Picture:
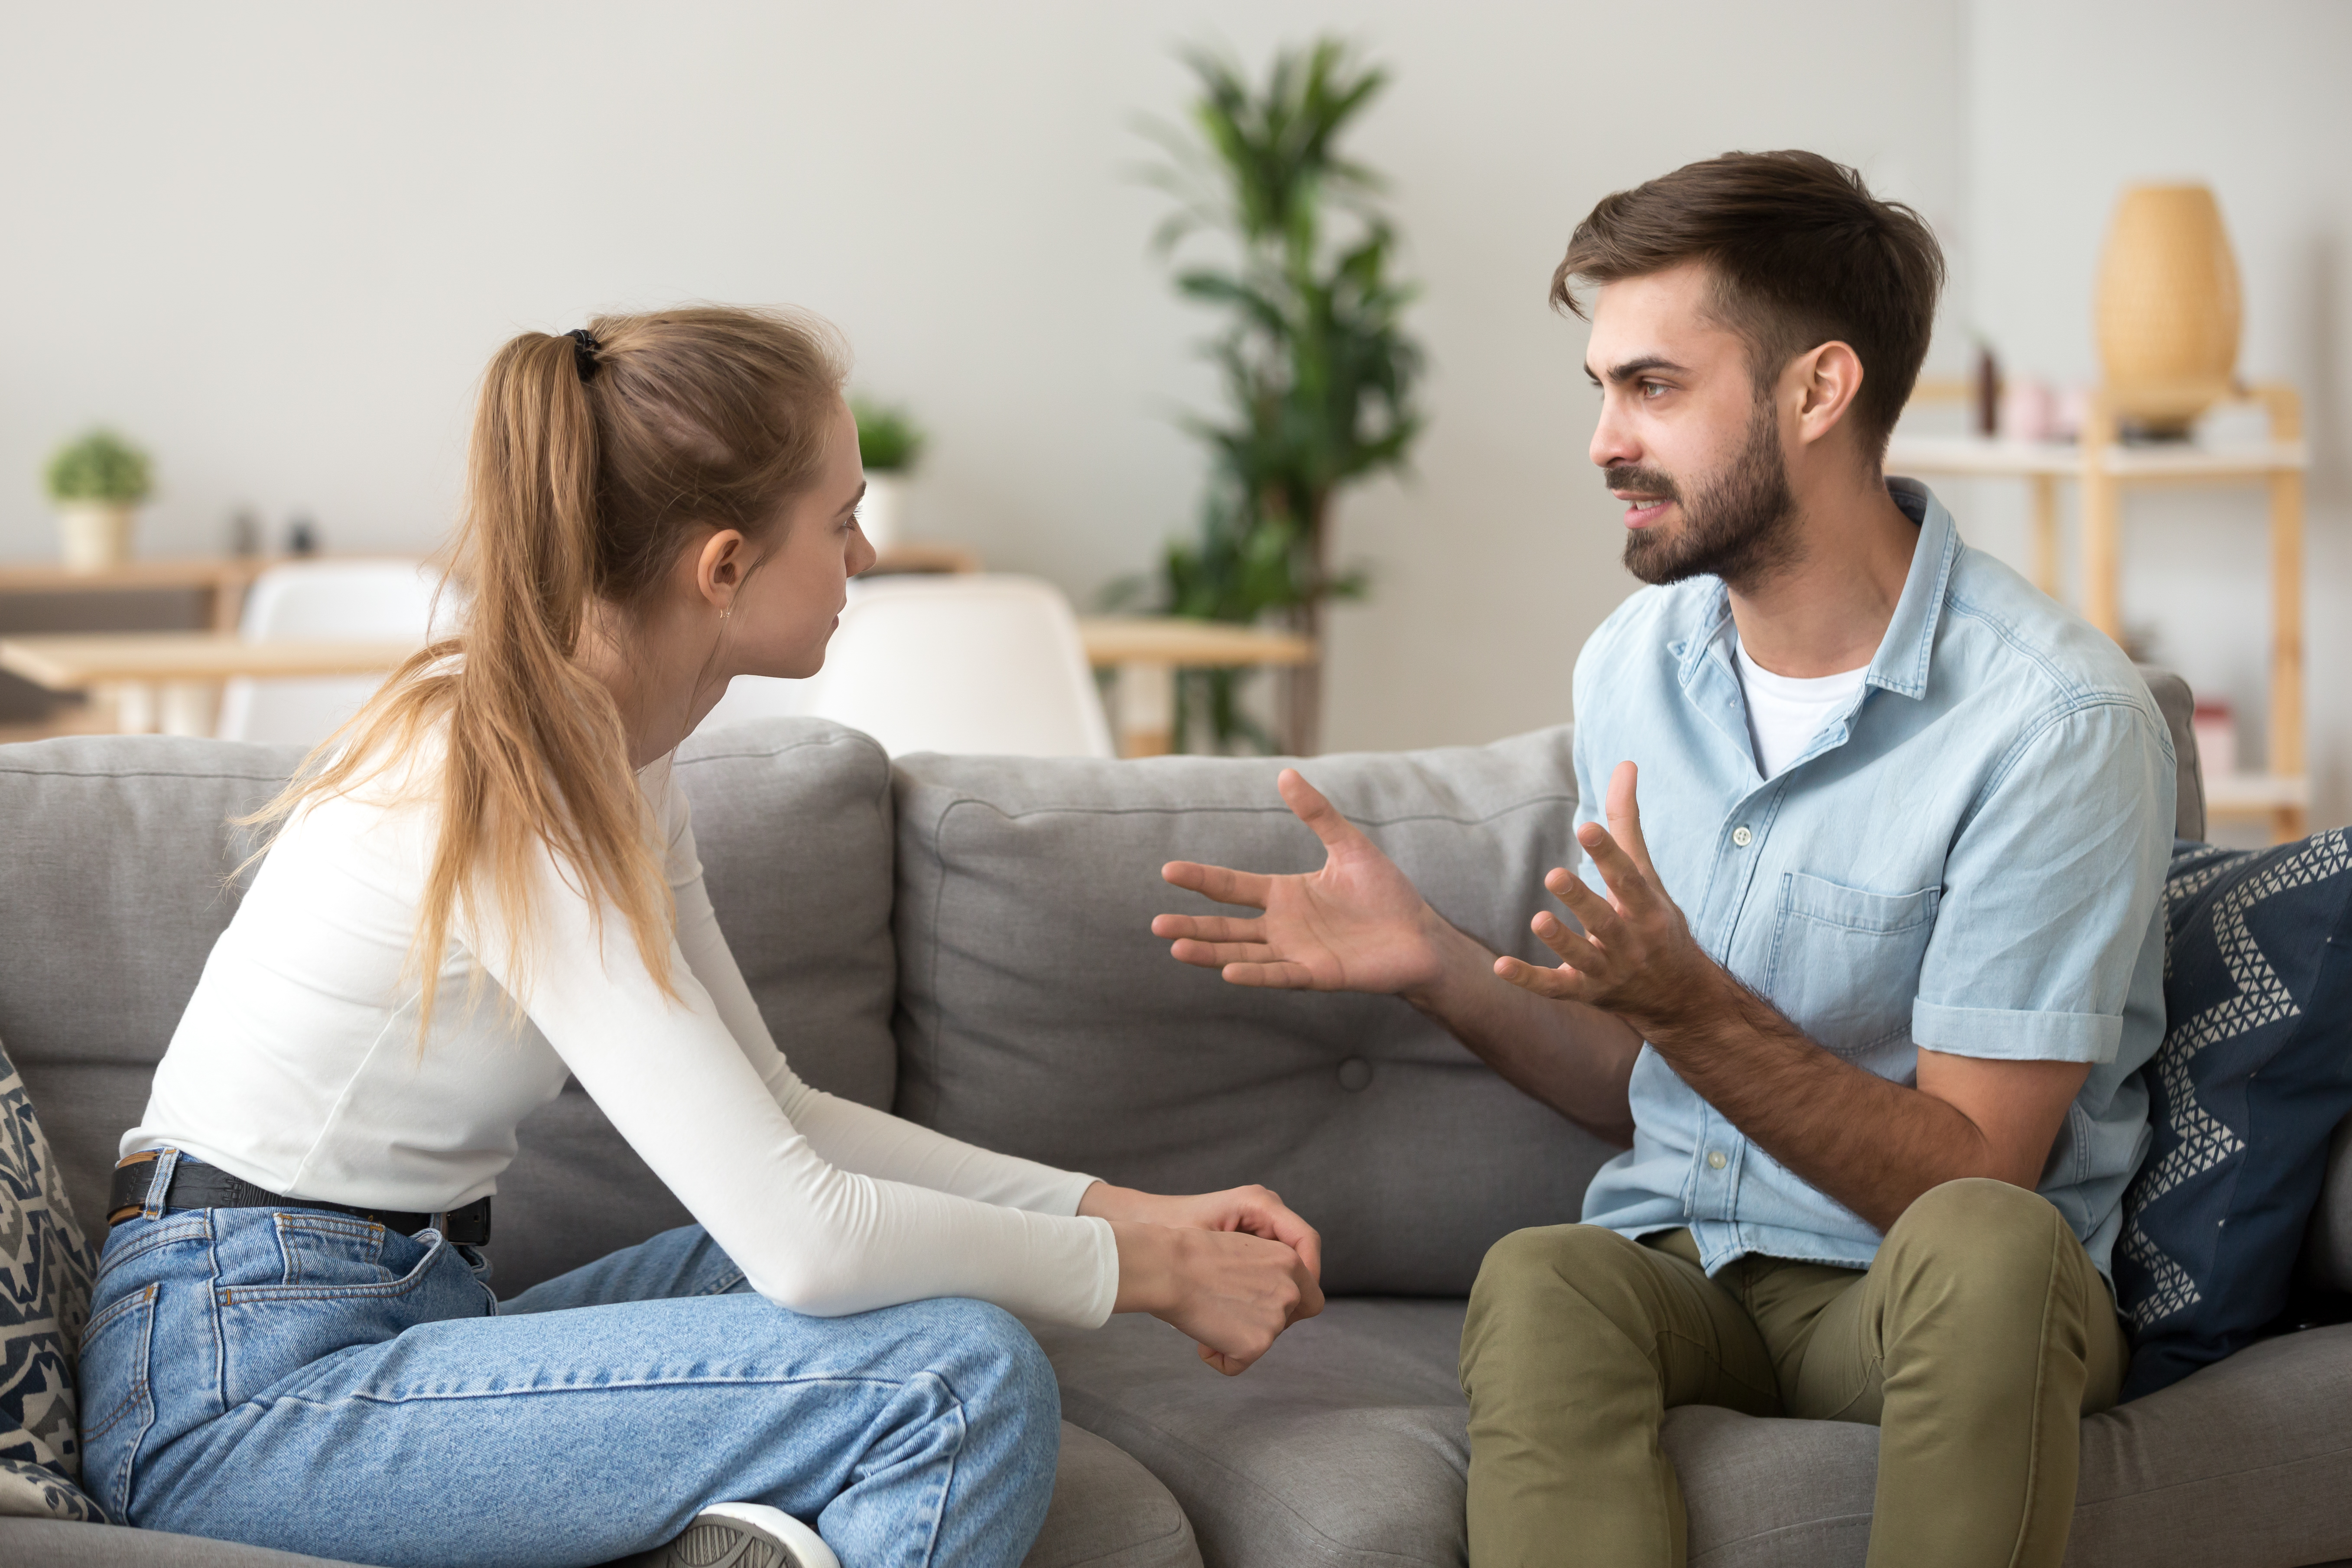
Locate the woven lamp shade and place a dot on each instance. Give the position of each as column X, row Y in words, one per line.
column 2167, row 307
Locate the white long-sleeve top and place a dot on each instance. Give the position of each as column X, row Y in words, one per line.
column 297, row 1067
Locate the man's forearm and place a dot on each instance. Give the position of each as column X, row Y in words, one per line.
column 1574, row 1059
column 1871, row 1144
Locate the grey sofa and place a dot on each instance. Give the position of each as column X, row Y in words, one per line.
column 966, row 939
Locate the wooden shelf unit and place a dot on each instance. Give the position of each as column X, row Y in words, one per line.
column 2104, row 468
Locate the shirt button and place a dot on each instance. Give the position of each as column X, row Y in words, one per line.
column 1715, row 1160
column 1742, row 837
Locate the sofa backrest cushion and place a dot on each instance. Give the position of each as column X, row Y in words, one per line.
column 1038, row 1013
column 2178, row 706
column 112, row 893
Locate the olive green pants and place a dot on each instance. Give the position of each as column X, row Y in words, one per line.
column 1979, row 1337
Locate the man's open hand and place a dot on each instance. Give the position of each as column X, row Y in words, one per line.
column 1636, row 958
column 1357, row 924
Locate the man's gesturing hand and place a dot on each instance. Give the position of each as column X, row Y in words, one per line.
column 1635, row 957
column 1357, row 924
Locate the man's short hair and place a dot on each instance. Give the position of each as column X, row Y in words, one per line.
column 1802, row 254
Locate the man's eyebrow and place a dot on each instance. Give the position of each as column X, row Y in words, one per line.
column 1632, row 368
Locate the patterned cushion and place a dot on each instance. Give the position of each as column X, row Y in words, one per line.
column 2254, row 1073
column 45, row 1275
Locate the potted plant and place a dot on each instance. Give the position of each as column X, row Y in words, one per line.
column 888, row 442
column 97, row 483
column 1318, row 371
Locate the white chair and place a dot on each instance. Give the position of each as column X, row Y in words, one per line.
column 964, row 662
column 363, row 600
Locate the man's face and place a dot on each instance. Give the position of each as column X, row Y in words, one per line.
column 1684, row 440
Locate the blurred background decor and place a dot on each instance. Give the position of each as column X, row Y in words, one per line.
column 2168, row 309
column 1317, row 368
column 97, row 483
column 889, row 443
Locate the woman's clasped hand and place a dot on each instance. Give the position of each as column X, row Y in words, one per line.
column 1232, row 1269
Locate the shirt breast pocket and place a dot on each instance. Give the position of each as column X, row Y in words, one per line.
column 1846, row 962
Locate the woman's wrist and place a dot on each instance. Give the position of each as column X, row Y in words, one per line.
column 1103, row 1201
column 1150, row 1278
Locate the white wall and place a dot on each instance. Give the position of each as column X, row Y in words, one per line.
column 2068, row 103
column 276, row 242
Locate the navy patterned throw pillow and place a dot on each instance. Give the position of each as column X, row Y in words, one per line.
column 46, row 1267
column 2254, row 1073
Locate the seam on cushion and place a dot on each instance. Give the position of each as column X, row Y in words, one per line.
column 135, row 774
column 1120, row 1553
column 2337, row 1452
column 1246, row 1481
column 1803, row 1527
column 1281, row 811
column 852, row 737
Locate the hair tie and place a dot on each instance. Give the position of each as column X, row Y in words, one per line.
column 583, row 353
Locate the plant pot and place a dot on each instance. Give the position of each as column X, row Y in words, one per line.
column 882, row 513
column 93, row 536
column 2167, row 307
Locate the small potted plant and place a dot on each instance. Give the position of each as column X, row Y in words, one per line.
column 97, row 483
column 887, row 443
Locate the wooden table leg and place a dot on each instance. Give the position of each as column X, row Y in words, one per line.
column 133, row 702
column 1144, row 696
column 2045, row 534
column 2101, row 525
column 2286, row 748
column 189, row 707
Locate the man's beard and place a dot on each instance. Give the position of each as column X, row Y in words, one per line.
column 1741, row 527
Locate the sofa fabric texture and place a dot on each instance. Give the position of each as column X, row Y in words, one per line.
column 1039, row 1015
column 2254, row 1076
column 45, row 1267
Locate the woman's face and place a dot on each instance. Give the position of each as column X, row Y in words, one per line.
column 784, row 611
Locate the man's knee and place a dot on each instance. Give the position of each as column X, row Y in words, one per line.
column 1978, row 1224
column 1543, row 1285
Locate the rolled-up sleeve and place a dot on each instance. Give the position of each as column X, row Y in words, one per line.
column 2049, row 891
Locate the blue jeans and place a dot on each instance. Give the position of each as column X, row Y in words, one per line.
column 309, row 1381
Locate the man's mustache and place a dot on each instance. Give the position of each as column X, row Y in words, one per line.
column 1640, row 481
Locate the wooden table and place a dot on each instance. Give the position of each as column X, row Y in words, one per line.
column 168, row 680
column 1146, row 651
column 171, row 680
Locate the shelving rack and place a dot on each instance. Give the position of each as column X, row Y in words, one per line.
column 2103, row 467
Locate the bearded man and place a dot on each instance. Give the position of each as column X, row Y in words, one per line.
column 1878, row 953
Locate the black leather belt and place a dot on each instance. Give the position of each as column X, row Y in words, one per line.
column 195, row 1186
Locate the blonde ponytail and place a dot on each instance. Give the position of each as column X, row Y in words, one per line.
column 586, row 475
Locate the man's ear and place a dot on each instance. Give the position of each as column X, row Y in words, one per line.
column 1828, row 379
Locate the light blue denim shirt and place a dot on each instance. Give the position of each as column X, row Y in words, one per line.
column 1968, row 857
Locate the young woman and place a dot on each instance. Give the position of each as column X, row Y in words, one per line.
column 488, row 882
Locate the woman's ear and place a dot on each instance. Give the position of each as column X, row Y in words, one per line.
column 720, row 566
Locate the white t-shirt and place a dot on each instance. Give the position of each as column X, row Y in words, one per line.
column 297, row 1067
column 1784, row 714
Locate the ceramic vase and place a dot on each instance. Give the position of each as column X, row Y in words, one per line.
column 2167, row 307
column 95, row 535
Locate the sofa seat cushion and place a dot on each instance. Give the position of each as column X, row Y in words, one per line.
column 1109, row 1511
column 1347, row 1445
column 1039, row 1016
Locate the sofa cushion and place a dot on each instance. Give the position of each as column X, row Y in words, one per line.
column 1109, row 1511
column 46, row 1268
column 118, row 882
column 1039, row 1015
column 2327, row 1248
column 2254, row 1074
column 1347, row 1445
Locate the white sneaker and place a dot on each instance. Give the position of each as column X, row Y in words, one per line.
column 743, row 1535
